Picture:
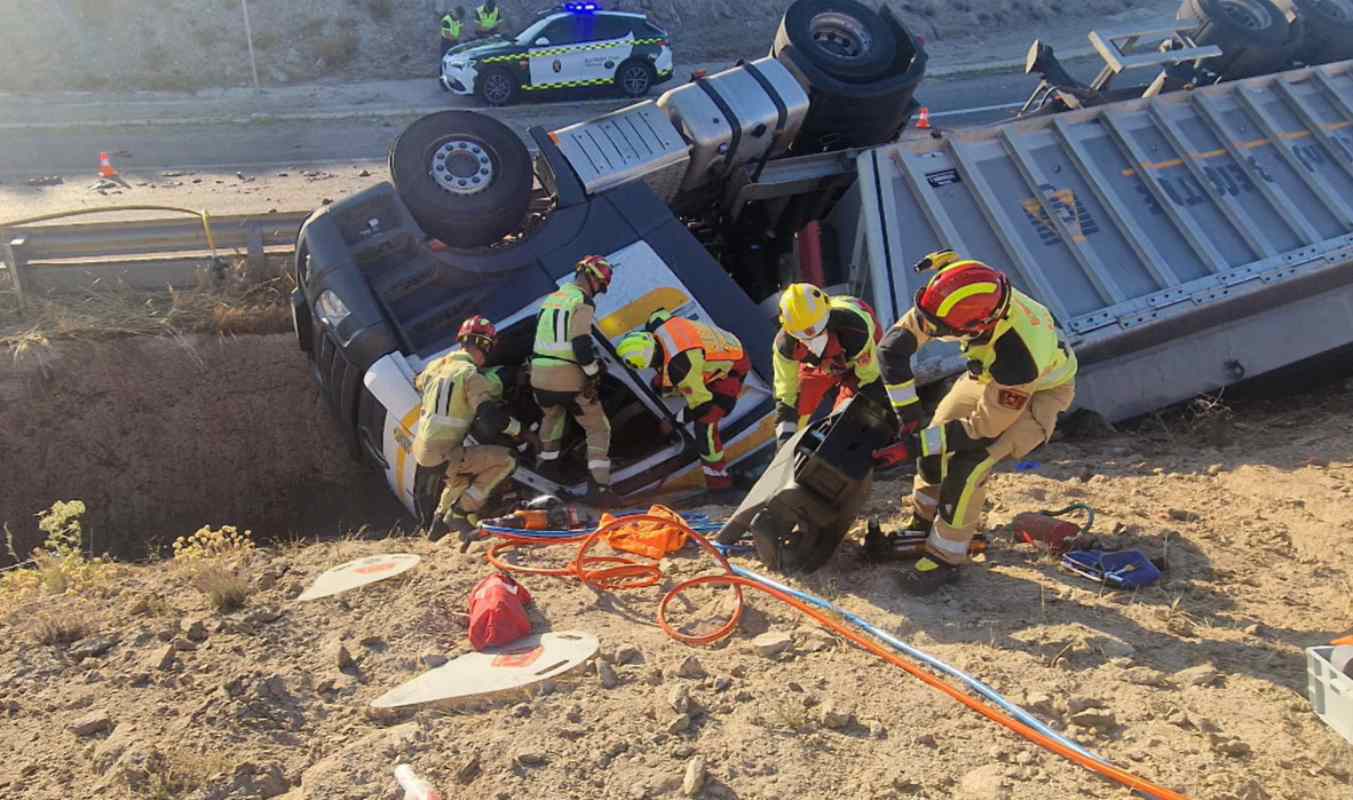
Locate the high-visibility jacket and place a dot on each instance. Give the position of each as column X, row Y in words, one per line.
column 453, row 389
column 1023, row 355
column 450, row 28
column 564, row 330
column 851, row 352
column 707, row 355
column 488, row 20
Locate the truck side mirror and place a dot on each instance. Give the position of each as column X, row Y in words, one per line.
column 541, row 42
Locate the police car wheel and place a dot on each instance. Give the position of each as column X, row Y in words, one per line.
column 498, row 87
column 465, row 177
column 844, row 38
column 635, row 78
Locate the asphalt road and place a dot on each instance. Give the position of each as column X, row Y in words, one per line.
column 279, row 142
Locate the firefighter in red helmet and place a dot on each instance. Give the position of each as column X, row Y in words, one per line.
column 1021, row 375
column 460, row 399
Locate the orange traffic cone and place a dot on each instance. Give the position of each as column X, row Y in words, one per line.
column 923, row 121
column 106, row 168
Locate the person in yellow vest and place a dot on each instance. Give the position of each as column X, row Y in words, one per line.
column 566, row 374
column 706, row 366
column 824, row 342
column 488, row 18
column 459, row 398
column 1021, row 375
column 452, row 28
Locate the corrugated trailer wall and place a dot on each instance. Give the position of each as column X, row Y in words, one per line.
column 1184, row 242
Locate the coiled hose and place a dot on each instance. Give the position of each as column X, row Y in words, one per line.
column 613, row 573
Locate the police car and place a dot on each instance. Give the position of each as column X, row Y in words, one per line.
column 578, row 45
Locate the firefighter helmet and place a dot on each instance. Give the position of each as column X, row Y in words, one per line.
column 637, row 349
column 964, row 298
column 804, row 310
column 479, row 332
column 599, row 270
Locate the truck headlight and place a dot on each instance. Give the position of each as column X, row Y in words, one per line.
column 331, row 309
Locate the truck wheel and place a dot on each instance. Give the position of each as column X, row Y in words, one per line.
column 1252, row 34
column 498, row 87
column 635, row 78
column 465, row 177
column 1328, row 29
column 844, row 38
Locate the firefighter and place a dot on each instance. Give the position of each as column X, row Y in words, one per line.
column 488, row 17
column 566, row 374
column 451, row 31
column 1020, row 376
column 824, row 342
column 459, row 399
column 706, row 366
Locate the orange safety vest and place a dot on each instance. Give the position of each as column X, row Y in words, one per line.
column 678, row 335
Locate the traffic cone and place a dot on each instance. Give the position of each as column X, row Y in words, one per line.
column 106, row 168
column 923, row 121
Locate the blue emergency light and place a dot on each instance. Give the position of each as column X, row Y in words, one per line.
column 582, row 8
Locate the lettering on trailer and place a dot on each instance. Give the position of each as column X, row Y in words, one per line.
column 1184, row 190
column 1068, row 208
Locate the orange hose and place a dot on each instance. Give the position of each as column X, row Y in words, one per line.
column 624, row 573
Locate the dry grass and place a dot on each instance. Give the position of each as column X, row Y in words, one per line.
column 60, row 627
column 339, row 49
column 152, row 605
column 179, row 772
column 235, row 303
column 381, row 10
column 224, row 587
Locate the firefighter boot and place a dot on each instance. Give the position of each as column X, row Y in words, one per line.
column 926, row 577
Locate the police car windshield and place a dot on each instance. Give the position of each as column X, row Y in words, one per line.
column 533, row 30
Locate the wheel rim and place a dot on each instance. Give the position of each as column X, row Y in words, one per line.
column 497, row 88
column 634, row 79
column 462, row 166
column 1341, row 10
column 840, row 35
column 1247, row 14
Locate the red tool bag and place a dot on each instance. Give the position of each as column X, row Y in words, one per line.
column 498, row 612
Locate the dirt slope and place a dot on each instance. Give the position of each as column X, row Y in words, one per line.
column 1196, row 684
column 156, row 44
column 159, row 435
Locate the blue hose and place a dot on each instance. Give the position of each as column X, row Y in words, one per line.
column 934, row 663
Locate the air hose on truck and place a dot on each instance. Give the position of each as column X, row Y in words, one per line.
column 621, row 572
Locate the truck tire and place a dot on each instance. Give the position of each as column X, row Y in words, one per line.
column 1327, row 27
column 844, row 38
column 465, row 177
column 1252, row 34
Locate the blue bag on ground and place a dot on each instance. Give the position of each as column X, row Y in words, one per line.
column 1121, row 569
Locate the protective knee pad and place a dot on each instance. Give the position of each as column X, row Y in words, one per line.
column 961, row 468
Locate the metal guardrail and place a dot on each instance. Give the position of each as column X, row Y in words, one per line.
column 141, row 254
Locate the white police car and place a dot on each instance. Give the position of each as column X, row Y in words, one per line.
column 575, row 46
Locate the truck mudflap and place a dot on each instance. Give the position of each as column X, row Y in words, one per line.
column 1184, row 242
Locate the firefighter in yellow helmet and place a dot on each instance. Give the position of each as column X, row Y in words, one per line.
column 824, row 342
column 566, row 374
column 1021, row 374
column 459, row 399
column 706, row 366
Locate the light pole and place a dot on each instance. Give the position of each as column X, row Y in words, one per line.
column 249, row 37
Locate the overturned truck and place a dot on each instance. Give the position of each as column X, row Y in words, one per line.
column 1187, row 235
